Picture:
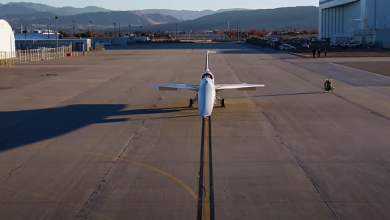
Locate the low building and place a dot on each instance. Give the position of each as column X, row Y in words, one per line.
column 77, row 44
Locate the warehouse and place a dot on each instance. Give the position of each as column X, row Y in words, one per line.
column 7, row 40
column 343, row 18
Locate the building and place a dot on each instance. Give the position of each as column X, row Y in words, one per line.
column 77, row 44
column 7, row 40
column 343, row 18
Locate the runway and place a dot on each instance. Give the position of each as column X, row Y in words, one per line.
column 93, row 139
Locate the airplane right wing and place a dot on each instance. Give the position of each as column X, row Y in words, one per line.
column 241, row 86
column 170, row 87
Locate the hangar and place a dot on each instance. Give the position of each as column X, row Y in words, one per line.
column 7, row 40
column 343, row 18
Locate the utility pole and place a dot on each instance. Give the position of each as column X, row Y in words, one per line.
column 74, row 27
column 48, row 27
column 56, row 32
column 229, row 29
column 114, row 33
column 237, row 31
column 91, row 22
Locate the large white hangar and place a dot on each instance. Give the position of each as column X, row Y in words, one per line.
column 7, row 40
column 345, row 17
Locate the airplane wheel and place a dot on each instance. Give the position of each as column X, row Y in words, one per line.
column 223, row 102
column 191, row 103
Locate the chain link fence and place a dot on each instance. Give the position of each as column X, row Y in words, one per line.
column 24, row 56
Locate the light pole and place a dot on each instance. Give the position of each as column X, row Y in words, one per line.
column 140, row 29
column 56, row 32
column 114, row 33
column 48, row 27
column 91, row 22
column 129, row 29
column 74, row 27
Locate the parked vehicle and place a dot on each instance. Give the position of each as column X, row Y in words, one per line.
column 350, row 45
column 286, row 47
column 305, row 45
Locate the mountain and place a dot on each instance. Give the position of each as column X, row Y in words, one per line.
column 187, row 14
column 278, row 18
column 29, row 7
column 101, row 20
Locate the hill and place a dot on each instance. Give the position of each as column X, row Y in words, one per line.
column 29, row 7
column 102, row 20
column 279, row 18
column 188, row 14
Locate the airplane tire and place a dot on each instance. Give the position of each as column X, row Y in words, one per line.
column 223, row 102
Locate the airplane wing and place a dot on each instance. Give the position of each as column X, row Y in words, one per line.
column 168, row 87
column 241, row 86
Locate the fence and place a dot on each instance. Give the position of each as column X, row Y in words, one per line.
column 24, row 56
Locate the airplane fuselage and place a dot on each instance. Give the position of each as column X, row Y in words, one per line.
column 206, row 97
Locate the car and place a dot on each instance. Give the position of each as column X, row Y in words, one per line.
column 286, row 47
column 305, row 45
column 350, row 45
column 337, row 44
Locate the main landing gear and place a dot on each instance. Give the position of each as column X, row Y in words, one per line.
column 222, row 101
column 193, row 101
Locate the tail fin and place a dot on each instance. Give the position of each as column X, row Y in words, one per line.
column 207, row 59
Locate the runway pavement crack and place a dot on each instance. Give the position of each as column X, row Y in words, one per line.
column 84, row 211
column 312, row 181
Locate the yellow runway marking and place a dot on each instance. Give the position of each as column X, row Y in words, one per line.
column 206, row 171
column 188, row 189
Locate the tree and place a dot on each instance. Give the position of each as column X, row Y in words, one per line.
column 254, row 32
column 88, row 34
column 263, row 32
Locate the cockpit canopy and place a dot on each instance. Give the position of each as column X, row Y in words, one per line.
column 208, row 75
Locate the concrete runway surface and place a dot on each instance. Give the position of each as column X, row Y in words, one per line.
column 89, row 138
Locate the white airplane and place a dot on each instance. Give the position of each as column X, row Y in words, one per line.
column 207, row 91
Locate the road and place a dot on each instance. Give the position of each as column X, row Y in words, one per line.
column 89, row 138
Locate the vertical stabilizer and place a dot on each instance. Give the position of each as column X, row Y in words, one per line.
column 207, row 59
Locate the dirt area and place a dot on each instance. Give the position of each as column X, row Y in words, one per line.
column 381, row 68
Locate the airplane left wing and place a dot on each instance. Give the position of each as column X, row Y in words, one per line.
column 167, row 87
column 241, row 86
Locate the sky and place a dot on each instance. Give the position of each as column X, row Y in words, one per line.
column 177, row 4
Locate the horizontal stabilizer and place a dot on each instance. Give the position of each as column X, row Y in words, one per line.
column 242, row 86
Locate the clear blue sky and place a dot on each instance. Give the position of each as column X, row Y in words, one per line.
column 177, row 4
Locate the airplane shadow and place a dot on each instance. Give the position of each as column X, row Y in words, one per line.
column 19, row 128
column 279, row 95
column 288, row 94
